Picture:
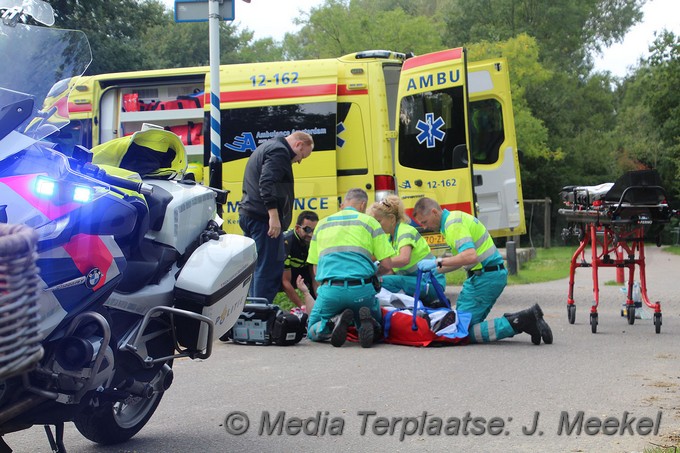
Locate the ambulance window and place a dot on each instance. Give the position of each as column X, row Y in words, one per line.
column 486, row 131
column 431, row 124
column 242, row 130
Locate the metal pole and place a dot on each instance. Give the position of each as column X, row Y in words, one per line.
column 511, row 257
column 546, row 222
column 215, row 164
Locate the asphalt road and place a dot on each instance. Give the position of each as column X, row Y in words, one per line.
column 620, row 386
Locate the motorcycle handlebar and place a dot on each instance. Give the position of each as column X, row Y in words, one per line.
column 137, row 186
column 98, row 173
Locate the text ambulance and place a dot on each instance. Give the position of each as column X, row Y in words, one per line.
column 431, row 125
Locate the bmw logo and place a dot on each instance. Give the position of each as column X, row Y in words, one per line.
column 93, row 277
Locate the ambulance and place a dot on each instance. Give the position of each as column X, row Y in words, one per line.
column 433, row 125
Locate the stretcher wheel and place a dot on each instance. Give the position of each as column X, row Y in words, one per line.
column 571, row 313
column 657, row 322
column 631, row 314
column 593, row 322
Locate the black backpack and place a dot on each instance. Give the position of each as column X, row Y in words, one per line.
column 289, row 329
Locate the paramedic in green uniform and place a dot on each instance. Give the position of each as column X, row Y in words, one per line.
column 343, row 248
column 473, row 249
column 410, row 247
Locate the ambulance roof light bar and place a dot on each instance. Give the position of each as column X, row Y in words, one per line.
column 380, row 54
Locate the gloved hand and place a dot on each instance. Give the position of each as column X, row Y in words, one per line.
column 427, row 265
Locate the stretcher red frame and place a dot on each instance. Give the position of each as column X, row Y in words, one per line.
column 615, row 225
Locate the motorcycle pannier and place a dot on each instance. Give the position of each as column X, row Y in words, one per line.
column 214, row 282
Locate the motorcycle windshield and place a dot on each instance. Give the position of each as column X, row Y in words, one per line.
column 40, row 67
column 40, row 64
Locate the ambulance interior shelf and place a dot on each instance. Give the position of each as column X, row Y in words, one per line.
column 182, row 115
column 614, row 219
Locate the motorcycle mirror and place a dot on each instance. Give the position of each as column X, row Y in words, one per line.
column 39, row 10
column 82, row 154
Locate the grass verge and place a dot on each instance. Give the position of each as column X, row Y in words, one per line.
column 674, row 249
column 549, row 264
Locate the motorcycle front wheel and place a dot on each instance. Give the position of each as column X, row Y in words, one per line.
column 116, row 422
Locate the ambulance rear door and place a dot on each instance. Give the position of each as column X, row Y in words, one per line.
column 493, row 149
column 432, row 158
column 261, row 101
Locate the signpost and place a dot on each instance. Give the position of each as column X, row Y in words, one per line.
column 198, row 10
column 212, row 11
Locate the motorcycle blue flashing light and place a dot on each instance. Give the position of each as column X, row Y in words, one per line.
column 82, row 194
column 48, row 188
column 45, row 187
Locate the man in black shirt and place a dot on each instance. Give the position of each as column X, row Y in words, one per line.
column 266, row 206
column 296, row 242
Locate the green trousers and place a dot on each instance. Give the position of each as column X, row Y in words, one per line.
column 333, row 300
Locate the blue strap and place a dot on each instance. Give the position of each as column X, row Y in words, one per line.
column 388, row 322
column 438, row 289
column 416, row 299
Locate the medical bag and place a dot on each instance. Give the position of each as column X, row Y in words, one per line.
column 262, row 323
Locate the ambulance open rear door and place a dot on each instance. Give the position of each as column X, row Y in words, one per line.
column 493, row 149
column 432, row 158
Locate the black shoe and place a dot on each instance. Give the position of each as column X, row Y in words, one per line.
column 531, row 321
column 339, row 335
column 543, row 327
column 366, row 332
column 448, row 319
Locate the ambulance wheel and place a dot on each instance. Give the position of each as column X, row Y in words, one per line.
column 631, row 314
column 571, row 313
column 657, row 322
column 593, row 322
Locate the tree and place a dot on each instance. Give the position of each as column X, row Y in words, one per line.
column 648, row 128
column 567, row 32
column 177, row 45
column 114, row 29
column 526, row 71
column 340, row 27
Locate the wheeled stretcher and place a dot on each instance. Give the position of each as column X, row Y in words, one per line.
column 614, row 220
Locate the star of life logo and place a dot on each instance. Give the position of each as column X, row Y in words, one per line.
column 430, row 130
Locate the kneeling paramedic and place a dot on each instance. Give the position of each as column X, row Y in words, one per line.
column 343, row 248
column 474, row 250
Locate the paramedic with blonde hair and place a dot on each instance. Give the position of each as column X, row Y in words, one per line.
column 410, row 247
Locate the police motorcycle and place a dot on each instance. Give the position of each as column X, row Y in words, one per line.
column 134, row 270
